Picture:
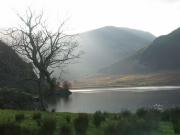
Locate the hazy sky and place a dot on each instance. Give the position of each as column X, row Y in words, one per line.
column 156, row 16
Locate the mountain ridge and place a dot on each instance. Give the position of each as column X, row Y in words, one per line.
column 105, row 46
column 161, row 54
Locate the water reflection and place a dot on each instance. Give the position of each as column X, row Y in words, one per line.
column 57, row 101
column 117, row 100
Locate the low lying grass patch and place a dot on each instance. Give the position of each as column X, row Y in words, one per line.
column 143, row 122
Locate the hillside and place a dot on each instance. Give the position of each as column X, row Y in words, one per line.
column 105, row 46
column 161, row 55
column 166, row 78
column 14, row 72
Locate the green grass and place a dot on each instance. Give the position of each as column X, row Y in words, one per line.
column 165, row 128
column 112, row 123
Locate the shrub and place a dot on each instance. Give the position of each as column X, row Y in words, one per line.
column 98, row 117
column 175, row 118
column 126, row 113
column 37, row 116
column 9, row 128
column 111, row 128
column 165, row 115
column 138, row 127
column 68, row 118
column 81, row 123
column 141, row 112
column 176, row 127
column 152, row 119
column 29, row 131
column 106, row 114
column 66, row 130
column 48, row 126
column 127, row 126
column 19, row 117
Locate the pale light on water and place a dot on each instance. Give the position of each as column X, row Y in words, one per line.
column 133, row 89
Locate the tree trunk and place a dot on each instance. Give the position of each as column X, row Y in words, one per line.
column 49, row 80
column 51, row 84
column 42, row 107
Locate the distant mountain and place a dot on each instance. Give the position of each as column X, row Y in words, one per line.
column 105, row 46
column 161, row 55
column 14, row 72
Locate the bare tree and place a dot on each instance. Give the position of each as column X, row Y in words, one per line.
column 45, row 49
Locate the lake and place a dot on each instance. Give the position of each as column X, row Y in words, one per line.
column 118, row 99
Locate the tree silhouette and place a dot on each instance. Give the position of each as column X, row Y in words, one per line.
column 44, row 48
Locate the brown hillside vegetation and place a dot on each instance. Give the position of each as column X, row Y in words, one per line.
column 150, row 79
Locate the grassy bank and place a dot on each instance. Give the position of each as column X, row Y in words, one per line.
column 143, row 122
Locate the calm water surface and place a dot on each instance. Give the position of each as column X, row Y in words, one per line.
column 118, row 99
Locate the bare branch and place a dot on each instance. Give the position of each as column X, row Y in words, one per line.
column 47, row 50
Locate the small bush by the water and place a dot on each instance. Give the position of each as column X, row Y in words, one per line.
column 81, row 124
column 66, row 130
column 98, row 117
column 141, row 112
column 36, row 116
column 48, row 126
column 19, row 117
column 126, row 113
